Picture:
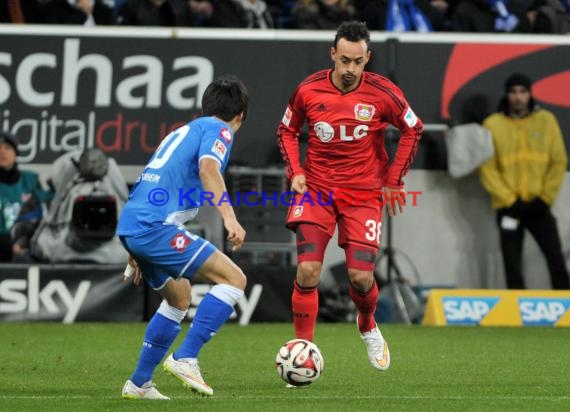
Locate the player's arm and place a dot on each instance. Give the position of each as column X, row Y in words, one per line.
column 288, row 134
column 132, row 271
column 411, row 130
column 400, row 114
column 213, row 183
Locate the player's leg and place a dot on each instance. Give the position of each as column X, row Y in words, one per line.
column 359, row 229
column 216, row 306
column 160, row 333
column 312, row 241
column 212, row 312
column 164, row 326
column 364, row 293
column 313, row 220
column 363, row 289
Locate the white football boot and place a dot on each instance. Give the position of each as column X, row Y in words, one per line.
column 377, row 347
column 189, row 373
column 147, row 392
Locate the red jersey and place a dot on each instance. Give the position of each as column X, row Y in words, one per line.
column 346, row 132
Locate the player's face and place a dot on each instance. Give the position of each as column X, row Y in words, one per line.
column 349, row 60
column 518, row 97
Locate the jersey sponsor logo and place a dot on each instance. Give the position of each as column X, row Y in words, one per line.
column 298, row 211
column 364, row 112
column 226, row 135
column 287, row 116
column 467, row 310
column 219, row 149
column 324, row 131
column 542, row 311
column 179, row 242
column 410, row 117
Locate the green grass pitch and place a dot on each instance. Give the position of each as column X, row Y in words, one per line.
column 82, row 367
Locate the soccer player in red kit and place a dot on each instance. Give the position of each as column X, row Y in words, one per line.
column 347, row 110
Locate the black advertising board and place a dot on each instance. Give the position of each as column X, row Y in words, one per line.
column 95, row 293
column 68, row 294
column 122, row 91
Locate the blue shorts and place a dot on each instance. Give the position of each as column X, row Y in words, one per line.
column 167, row 251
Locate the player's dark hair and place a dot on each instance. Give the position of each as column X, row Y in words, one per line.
column 353, row 31
column 225, row 97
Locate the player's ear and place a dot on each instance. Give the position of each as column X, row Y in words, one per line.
column 237, row 121
column 333, row 53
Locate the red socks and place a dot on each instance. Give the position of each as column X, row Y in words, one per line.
column 305, row 303
column 366, row 305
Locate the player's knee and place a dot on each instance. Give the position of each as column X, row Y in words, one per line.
column 237, row 279
column 178, row 294
column 180, row 302
column 361, row 279
column 308, row 273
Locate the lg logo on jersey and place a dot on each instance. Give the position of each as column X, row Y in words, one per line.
column 326, row 132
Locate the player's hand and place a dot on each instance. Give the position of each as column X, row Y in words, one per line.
column 396, row 200
column 236, row 233
column 299, row 184
column 134, row 273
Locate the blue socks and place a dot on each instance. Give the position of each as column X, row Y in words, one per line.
column 214, row 310
column 211, row 314
column 160, row 334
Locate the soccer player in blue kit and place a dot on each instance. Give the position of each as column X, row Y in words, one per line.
column 188, row 162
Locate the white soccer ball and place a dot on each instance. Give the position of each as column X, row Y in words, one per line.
column 299, row 362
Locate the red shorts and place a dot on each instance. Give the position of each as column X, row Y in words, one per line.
column 357, row 213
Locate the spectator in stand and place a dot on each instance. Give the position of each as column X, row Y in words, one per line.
column 280, row 12
column 438, row 12
column 217, row 13
column 552, row 17
column 487, row 16
column 84, row 12
column 322, row 14
column 165, row 13
column 21, row 199
column 376, row 13
column 257, row 14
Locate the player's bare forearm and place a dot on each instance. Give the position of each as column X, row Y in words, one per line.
column 213, row 182
column 132, row 271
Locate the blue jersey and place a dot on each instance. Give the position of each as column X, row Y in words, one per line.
column 169, row 189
